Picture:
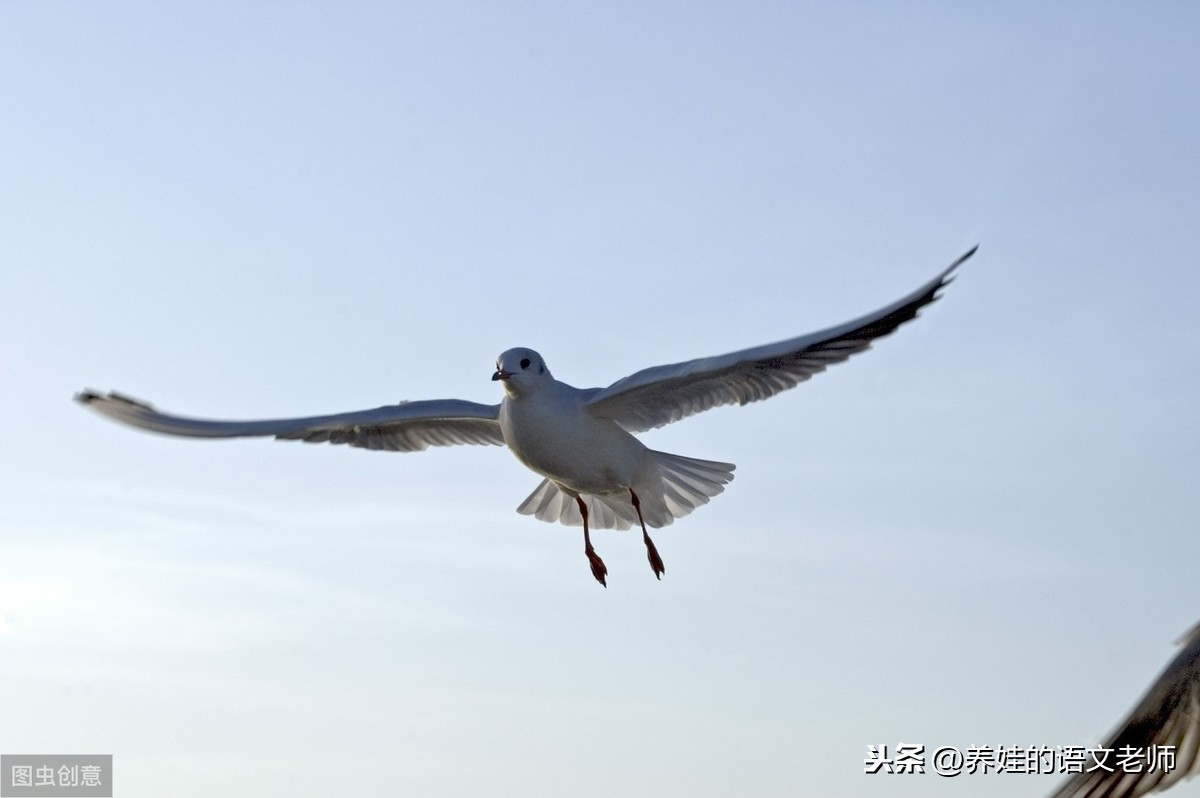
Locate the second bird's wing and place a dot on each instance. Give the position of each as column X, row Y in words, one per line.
column 1167, row 719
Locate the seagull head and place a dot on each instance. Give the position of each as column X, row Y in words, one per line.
column 518, row 368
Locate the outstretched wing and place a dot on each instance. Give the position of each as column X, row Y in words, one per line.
column 406, row 427
column 1167, row 719
column 663, row 394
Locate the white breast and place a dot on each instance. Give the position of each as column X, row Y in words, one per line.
column 551, row 432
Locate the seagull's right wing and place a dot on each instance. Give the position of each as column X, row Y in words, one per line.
column 662, row 394
column 1167, row 716
column 406, row 427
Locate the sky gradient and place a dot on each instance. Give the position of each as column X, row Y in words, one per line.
column 981, row 532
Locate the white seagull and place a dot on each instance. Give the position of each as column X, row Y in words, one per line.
column 581, row 440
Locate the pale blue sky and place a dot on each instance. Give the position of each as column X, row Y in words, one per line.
column 982, row 532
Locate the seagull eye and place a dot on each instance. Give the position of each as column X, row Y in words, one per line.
column 525, row 362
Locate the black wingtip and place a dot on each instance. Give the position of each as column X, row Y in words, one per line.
column 88, row 396
column 963, row 259
column 948, row 275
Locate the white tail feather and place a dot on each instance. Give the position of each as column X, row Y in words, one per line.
column 684, row 483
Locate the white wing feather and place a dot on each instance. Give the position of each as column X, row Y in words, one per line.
column 405, row 427
column 660, row 395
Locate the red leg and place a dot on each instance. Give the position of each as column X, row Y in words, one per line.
column 599, row 570
column 651, row 552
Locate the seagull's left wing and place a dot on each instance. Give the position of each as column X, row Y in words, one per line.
column 663, row 394
column 1166, row 722
column 406, row 427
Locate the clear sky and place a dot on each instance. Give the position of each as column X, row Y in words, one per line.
column 982, row 532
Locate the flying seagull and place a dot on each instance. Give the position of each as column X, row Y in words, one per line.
column 1167, row 717
column 581, row 440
